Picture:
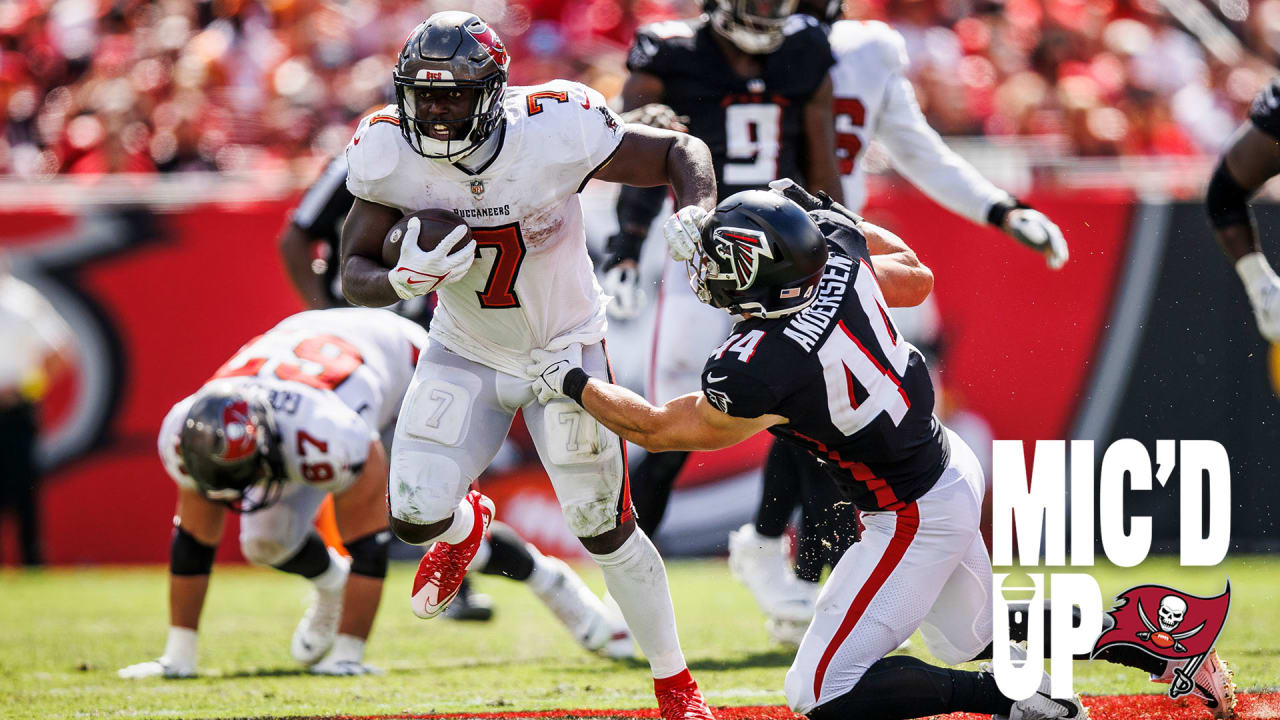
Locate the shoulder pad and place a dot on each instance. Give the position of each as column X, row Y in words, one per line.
column 668, row 29
column 374, row 150
column 890, row 42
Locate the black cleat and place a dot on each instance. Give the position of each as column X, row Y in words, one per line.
column 468, row 606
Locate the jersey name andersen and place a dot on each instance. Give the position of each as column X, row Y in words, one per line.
column 809, row 325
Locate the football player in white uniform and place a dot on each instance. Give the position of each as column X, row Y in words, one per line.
column 874, row 100
column 295, row 415
column 510, row 160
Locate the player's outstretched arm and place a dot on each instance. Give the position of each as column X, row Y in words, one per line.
column 648, row 157
column 821, row 172
column 195, row 539
column 364, row 278
column 1250, row 160
column 688, row 422
column 904, row 279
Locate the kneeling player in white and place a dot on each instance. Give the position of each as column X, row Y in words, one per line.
column 292, row 417
column 511, row 162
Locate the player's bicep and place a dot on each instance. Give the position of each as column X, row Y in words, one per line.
column 366, row 225
column 903, row 278
column 690, row 422
column 641, row 158
column 1253, row 157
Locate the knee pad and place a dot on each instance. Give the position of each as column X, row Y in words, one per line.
column 424, row 487
column 436, row 411
column 369, row 554
column 188, row 556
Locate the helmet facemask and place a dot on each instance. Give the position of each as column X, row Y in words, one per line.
column 753, row 26
column 230, row 447
column 467, row 133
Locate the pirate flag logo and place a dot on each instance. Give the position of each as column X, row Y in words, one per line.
column 1168, row 624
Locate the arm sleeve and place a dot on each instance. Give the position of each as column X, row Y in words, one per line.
column 167, row 445
column 733, row 391
column 326, row 201
column 919, row 153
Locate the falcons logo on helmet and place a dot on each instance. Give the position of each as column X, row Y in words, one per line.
column 742, row 249
column 491, row 42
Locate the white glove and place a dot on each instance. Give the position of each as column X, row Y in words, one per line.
column 684, row 232
column 548, row 370
column 1263, row 288
column 1033, row 229
column 622, row 282
column 178, row 660
column 418, row 273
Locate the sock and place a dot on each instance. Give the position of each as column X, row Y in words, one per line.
column 334, row 577
column 901, row 686
column 509, row 554
column 543, row 576
column 637, row 580
column 682, row 679
column 346, row 648
column 464, row 518
column 180, row 648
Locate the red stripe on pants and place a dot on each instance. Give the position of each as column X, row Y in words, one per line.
column 908, row 521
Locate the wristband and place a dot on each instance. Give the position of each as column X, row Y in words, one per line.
column 1001, row 209
column 575, row 381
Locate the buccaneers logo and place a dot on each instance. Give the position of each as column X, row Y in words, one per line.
column 1169, row 624
column 238, row 431
column 491, row 42
column 742, row 250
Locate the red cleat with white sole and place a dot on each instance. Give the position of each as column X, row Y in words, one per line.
column 441, row 570
column 679, row 699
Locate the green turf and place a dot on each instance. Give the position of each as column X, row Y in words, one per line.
column 63, row 633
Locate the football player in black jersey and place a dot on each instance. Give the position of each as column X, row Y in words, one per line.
column 749, row 78
column 818, row 362
column 1252, row 158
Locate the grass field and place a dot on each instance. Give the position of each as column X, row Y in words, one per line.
column 63, row 634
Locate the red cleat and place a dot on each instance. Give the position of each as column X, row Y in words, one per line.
column 679, row 699
column 441, row 570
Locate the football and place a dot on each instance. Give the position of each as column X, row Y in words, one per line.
column 436, row 224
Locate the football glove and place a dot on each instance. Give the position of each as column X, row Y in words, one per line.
column 622, row 282
column 683, row 232
column 1033, row 229
column 659, row 116
column 418, row 272
column 1263, row 288
column 549, row 369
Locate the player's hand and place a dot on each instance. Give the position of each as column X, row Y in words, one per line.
column 549, row 369
column 1263, row 288
column 160, row 667
column 418, row 272
column 622, row 281
column 657, row 115
column 683, row 231
column 1033, row 229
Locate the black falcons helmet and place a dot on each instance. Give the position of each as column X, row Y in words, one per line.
column 228, row 444
column 452, row 49
column 760, row 254
column 754, row 26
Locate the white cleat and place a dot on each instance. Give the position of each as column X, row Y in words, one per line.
column 761, row 563
column 343, row 668
column 159, row 668
column 1041, row 705
column 1214, row 684
column 319, row 625
column 579, row 610
column 621, row 646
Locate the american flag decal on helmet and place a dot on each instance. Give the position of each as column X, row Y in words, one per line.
column 742, row 248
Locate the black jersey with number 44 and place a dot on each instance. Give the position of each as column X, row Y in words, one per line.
column 857, row 395
column 753, row 126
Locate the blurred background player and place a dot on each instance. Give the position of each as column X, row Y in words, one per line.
column 748, row 77
column 511, row 161
column 37, row 352
column 309, row 249
column 873, row 100
column 1252, row 158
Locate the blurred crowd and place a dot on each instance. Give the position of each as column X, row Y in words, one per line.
column 92, row 86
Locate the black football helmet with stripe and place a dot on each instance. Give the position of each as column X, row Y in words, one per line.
column 760, row 254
